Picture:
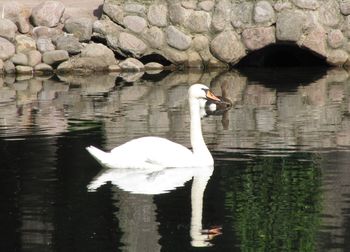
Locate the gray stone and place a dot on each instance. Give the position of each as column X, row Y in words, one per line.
column 132, row 44
column 17, row 13
column 103, row 28
column 47, row 13
column 42, row 68
column 7, row 49
column 199, row 21
column 43, row 31
column 307, row 4
column 290, row 25
column 200, row 42
column 194, row 60
column 177, row 39
column 177, row 13
column 131, row 65
column 24, row 69
column 242, row 15
column 337, row 57
column 175, row 56
column 24, row 43
column 83, row 65
column 328, row 13
column 44, row 44
column 135, row 23
column 256, row 38
column 99, row 51
column 189, row 4
column 55, row 57
column 7, row 29
column 345, row 7
column 9, row 67
column 281, row 5
column 135, row 8
column 113, row 11
column 157, row 15
column 206, row 5
column 34, row 58
column 20, row 59
column 316, row 40
column 155, row 37
column 81, row 27
column 68, row 43
column 221, row 15
column 154, row 66
column 335, row 38
column 264, row 13
column 227, row 47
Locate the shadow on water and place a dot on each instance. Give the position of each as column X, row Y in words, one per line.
column 280, row 181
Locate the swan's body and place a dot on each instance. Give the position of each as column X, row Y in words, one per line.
column 158, row 153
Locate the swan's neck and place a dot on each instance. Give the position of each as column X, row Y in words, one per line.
column 200, row 149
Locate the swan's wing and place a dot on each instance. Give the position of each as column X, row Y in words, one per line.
column 153, row 151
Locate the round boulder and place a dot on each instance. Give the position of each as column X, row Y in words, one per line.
column 47, row 13
column 7, row 49
column 80, row 27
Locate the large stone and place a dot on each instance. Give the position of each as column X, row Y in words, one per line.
column 55, row 57
column 43, row 31
column 17, row 13
column 177, row 39
column 104, row 28
column 207, row 5
column 47, row 13
column 242, row 15
column 316, row 40
column 131, row 65
column 83, row 65
column 81, row 27
column 131, row 44
column 113, row 11
column 135, row 23
column 9, row 67
column 264, row 13
column 194, row 60
column 135, row 8
column 227, row 47
column 290, row 25
column 199, row 21
column 99, row 50
column 307, row 4
column 345, row 7
column 177, row 13
column 34, row 58
column 24, row 69
column 221, row 15
column 200, row 42
column 43, row 68
column 329, row 14
column 20, row 59
column 24, row 43
column 155, row 37
column 256, row 38
column 7, row 29
column 337, row 57
column 44, row 44
column 335, row 38
column 154, row 66
column 175, row 56
column 157, row 15
column 68, row 43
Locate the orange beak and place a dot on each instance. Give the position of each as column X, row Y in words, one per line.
column 211, row 96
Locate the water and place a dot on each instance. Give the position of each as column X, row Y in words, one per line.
column 280, row 180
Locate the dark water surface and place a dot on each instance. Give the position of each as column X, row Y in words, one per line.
column 281, row 180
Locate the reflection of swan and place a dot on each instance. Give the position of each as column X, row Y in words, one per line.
column 144, row 181
column 157, row 153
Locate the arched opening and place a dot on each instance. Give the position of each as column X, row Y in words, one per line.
column 283, row 66
column 282, row 55
column 154, row 57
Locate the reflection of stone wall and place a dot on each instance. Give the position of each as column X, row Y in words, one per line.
column 315, row 115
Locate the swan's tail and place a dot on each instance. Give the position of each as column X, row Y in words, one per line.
column 102, row 157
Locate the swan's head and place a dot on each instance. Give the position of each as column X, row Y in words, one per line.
column 200, row 91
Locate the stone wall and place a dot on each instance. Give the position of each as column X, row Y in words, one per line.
column 191, row 33
column 211, row 33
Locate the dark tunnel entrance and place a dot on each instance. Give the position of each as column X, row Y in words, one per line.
column 283, row 66
column 282, row 55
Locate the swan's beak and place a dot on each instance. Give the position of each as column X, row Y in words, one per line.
column 211, row 96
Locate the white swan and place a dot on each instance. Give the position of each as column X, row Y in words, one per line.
column 158, row 153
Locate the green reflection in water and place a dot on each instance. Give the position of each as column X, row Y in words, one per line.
column 275, row 203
